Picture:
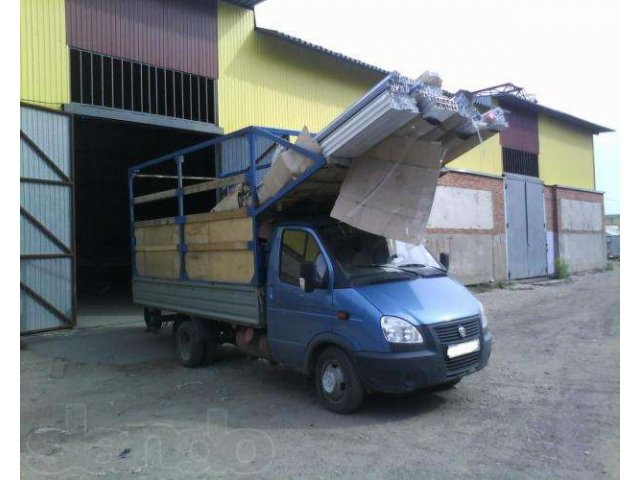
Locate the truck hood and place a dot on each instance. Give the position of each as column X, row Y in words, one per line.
column 423, row 300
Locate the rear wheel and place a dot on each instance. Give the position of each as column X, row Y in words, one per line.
column 190, row 343
column 338, row 386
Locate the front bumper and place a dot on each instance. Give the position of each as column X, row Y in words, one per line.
column 399, row 372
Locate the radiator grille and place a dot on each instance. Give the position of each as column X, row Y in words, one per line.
column 463, row 362
column 449, row 334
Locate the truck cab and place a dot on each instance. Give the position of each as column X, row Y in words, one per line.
column 363, row 313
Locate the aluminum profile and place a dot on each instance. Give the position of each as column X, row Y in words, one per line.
column 393, row 83
column 376, row 121
column 437, row 109
column 493, row 120
column 464, row 101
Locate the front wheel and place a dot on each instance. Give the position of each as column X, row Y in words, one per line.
column 338, row 386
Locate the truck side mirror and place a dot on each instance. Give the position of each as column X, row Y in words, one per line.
column 307, row 277
column 444, row 260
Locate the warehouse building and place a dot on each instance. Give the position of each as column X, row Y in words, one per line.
column 105, row 85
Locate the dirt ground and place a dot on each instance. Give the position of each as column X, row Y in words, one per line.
column 113, row 402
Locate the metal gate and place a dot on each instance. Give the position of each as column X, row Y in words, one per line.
column 47, row 263
column 526, row 228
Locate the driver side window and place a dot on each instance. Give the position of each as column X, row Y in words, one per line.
column 298, row 247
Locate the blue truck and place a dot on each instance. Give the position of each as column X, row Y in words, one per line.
column 281, row 279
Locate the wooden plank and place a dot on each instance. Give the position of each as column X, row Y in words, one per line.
column 214, row 184
column 217, row 246
column 213, row 216
column 228, row 230
column 153, row 197
column 157, row 235
column 158, row 264
column 191, row 189
column 156, row 222
column 197, row 247
column 232, row 230
column 221, row 266
column 194, row 218
column 157, row 248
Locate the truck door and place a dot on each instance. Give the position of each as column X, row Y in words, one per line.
column 293, row 316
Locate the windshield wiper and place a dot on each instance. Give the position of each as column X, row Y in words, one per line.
column 420, row 265
column 384, row 265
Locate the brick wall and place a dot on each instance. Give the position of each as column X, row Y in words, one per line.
column 468, row 224
column 575, row 225
column 553, row 205
column 474, row 181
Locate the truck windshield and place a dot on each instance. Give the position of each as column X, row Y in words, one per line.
column 370, row 257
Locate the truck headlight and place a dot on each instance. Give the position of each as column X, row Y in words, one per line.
column 483, row 317
column 397, row 330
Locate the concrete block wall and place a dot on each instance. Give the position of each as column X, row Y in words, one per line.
column 467, row 222
column 575, row 227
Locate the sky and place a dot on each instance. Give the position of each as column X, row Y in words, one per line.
column 565, row 52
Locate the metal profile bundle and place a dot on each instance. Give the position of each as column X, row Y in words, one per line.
column 493, row 120
column 435, row 108
column 383, row 116
column 380, row 112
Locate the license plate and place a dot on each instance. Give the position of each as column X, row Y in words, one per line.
column 463, row 348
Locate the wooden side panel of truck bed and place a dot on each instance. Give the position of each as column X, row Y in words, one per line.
column 218, row 247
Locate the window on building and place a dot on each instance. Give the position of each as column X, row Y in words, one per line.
column 298, row 247
column 112, row 82
column 520, row 162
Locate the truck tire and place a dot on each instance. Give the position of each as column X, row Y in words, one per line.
column 211, row 341
column 337, row 383
column 190, row 343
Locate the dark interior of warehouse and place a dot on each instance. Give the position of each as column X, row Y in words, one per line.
column 104, row 150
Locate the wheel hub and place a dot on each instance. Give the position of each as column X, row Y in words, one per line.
column 333, row 381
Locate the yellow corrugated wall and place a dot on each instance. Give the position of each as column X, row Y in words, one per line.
column 485, row 158
column 566, row 154
column 270, row 82
column 44, row 57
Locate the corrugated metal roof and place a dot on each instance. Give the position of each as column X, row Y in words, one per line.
column 522, row 104
column 318, row 48
column 245, row 3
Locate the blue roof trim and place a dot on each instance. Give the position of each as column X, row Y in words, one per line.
column 522, row 104
column 319, row 49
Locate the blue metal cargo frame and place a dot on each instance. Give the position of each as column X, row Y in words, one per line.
column 250, row 133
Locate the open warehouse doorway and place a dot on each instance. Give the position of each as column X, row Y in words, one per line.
column 103, row 152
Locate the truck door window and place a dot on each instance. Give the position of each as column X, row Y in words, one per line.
column 299, row 247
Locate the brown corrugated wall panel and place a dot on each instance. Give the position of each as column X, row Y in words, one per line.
column 175, row 34
column 522, row 133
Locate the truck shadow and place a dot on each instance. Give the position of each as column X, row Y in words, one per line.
column 290, row 401
column 258, row 393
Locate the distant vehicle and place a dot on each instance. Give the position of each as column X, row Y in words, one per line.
column 613, row 241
